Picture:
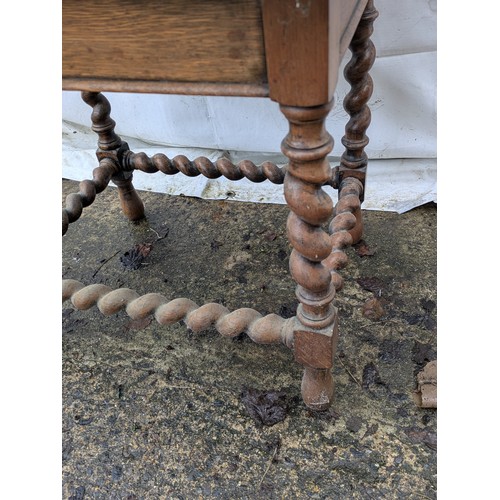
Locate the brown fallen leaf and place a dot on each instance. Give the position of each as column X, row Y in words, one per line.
column 362, row 249
column 373, row 309
column 132, row 259
column 270, row 236
column 144, row 249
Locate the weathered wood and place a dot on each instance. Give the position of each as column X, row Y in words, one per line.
column 167, row 87
column 354, row 160
column 110, row 146
column 307, row 145
column 159, row 41
column 216, row 48
column 305, row 41
column 269, row 329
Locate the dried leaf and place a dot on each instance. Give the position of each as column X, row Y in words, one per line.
column 215, row 245
column 282, row 255
column 265, row 407
column 144, row 249
column 428, row 305
column 288, row 310
column 371, row 376
column 425, row 436
column 422, row 353
column 354, row 424
column 372, row 284
column 370, row 430
column 373, row 309
column 270, row 236
column 132, row 259
column 363, row 250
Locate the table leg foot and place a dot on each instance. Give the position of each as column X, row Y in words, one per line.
column 317, row 388
column 131, row 204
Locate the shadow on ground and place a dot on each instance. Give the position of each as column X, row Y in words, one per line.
column 156, row 412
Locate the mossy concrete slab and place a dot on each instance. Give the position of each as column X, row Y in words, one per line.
column 155, row 412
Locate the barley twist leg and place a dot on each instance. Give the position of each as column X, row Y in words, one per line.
column 111, row 146
column 307, row 146
column 354, row 161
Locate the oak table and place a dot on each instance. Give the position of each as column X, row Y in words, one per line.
column 287, row 50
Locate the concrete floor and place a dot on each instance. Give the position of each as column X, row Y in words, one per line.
column 155, row 412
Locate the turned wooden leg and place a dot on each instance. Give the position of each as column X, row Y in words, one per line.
column 354, row 160
column 307, row 146
column 110, row 145
column 302, row 82
column 131, row 203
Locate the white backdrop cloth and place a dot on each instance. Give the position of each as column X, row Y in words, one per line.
column 402, row 150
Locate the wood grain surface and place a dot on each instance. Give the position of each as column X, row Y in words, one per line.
column 305, row 41
column 139, row 45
